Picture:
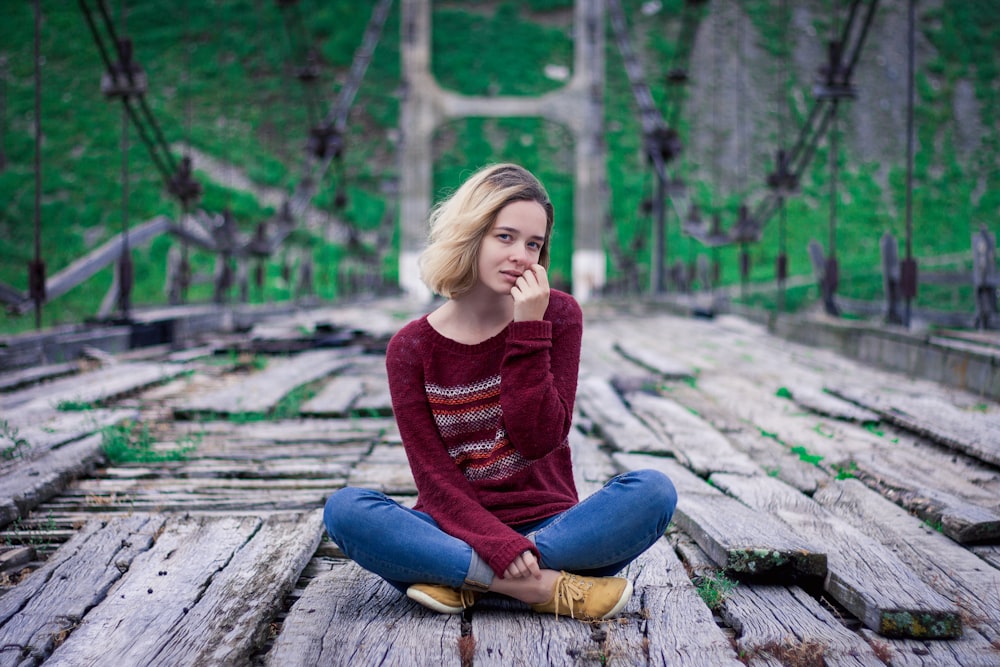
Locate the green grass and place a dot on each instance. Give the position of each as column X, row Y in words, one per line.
column 71, row 405
column 806, row 456
column 714, row 588
column 13, row 445
column 129, row 442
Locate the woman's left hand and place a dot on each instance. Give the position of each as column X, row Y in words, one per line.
column 524, row 566
column 531, row 294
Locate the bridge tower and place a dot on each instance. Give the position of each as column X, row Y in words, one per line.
column 578, row 106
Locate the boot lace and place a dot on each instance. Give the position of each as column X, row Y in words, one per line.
column 569, row 590
column 468, row 597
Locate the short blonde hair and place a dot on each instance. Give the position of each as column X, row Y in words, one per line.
column 449, row 264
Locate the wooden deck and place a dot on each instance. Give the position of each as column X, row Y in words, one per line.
column 840, row 514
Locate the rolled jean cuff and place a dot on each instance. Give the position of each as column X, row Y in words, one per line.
column 480, row 574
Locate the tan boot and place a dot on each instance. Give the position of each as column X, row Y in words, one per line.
column 587, row 598
column 442, row 599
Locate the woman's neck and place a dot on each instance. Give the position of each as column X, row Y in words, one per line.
column 473, row 318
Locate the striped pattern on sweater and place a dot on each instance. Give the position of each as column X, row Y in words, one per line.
column 470, row 420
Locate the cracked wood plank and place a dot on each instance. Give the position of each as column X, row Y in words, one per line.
column 785, row 625
column 34, row 482
column 596, row 399
column 95, row 387
column 679, row 627
column 347, row 616
column 47, row 605
column 739, row 539
column 863, row 575
column 950, row 569
column 232, row 617
column 133, row 625
column 977, row 435
column 261, row 391
column 691, row 439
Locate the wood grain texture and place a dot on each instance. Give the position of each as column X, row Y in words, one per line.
column 739, row 539
column 864, row 576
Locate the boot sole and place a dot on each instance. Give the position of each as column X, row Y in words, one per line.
column 622, row 601
column 429, row 602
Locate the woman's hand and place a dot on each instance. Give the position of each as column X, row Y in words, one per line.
column 531, row 294
column 524, row 566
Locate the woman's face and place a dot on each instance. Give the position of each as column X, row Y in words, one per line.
column 512, row 246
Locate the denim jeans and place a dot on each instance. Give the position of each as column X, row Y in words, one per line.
column 597, row 537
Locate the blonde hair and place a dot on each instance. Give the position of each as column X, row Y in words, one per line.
column 449, row 264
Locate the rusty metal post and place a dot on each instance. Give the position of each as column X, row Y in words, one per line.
column 3, row 111
column 908, row 268
column 36, row 268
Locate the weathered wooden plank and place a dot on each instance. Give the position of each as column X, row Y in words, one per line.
column 828, row 405
column 964, row 521
column 292, row 467
column 772, row 456
column 977, row 435
column 191, row 498
column 691, row 439
column 969, row 650
column 988, row 552
column 348, row 616
column 950, row 569
column 958, row 491
column 42, row 609
column 47, row 430
column 134, row 625
column 507, row 632
column 696, row 561
column 387, row 477
column 592, row 468
column 598, row 358
column 95, row 387
column 336, row 397
column 739, row 539
column 261, row 391
column 27, row 376
column 620, row 428
column 662, row 364
column 786, row 625
column 33, row 482
column 864, row 576
column 231, row 618
column 291, row 431
column 673, row 619
column 375, row 400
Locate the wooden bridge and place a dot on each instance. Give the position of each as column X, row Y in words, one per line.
column 162, row 506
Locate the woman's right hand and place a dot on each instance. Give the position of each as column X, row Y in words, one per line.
column 522, row 567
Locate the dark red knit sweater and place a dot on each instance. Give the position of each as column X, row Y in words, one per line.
column 486, row 426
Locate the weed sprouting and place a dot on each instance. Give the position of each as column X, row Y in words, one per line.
column 847, row 471
column 72, row 405
column 132, row 443
column 804, row 455
column 714, row 588
column 17, row 445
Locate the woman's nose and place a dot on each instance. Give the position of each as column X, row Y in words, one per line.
column 519, row 255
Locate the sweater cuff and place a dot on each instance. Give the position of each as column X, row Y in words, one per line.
column 502, row 559
column 531, row 329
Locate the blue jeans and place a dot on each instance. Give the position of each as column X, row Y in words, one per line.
column 597, row 537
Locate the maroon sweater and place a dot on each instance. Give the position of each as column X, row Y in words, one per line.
column 486, row 426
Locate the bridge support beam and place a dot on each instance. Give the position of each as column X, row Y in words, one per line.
column 578, row 106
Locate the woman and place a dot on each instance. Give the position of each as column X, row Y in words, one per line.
column 483, row 390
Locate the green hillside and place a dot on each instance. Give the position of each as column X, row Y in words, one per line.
column 220, row 79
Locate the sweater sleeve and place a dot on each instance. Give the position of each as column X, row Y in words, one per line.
column 444, row 491
column 539, row 378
